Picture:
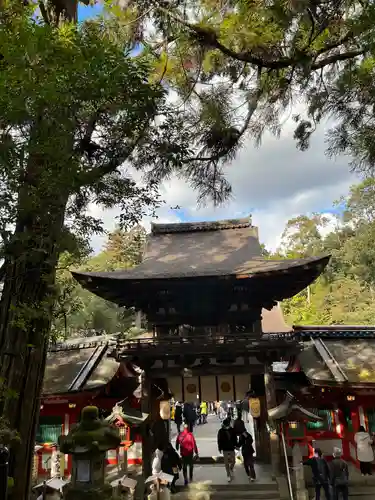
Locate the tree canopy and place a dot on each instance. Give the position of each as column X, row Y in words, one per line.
column 238, row 68
column 78, row 312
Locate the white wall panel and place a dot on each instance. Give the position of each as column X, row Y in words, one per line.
column 242, row 385
column 208, row 387
column 191, row 385
column 175, row 386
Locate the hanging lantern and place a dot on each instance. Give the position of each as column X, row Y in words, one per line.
column 254, row 407
column 165, row 410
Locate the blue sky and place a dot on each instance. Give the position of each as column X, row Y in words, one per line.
column 85, row 12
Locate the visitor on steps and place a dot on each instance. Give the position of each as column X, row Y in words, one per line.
column 204, row 411
column 239, row 426
column 185, row 442
column 339, row 476
column 178, row 416
column 247, row 449
column 171, row 464
column 227, row 443
column 320, row 473
column 365, row 453
column 190, row 415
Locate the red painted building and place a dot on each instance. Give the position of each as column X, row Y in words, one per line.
column 333, row 375
column 80, row 373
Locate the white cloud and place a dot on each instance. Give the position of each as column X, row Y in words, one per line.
column 272, row 183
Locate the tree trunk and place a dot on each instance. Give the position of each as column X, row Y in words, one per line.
column 25, row 319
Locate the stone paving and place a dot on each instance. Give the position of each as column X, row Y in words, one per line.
column 206, row 436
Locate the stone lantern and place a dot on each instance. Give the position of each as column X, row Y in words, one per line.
column 88, row 443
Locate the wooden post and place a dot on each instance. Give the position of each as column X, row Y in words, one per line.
column 146, row 435
column 271, row 401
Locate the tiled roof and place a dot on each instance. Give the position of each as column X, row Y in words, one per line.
column 339, row 360
column 344, row 333
column 79, row 364
column 204, row 249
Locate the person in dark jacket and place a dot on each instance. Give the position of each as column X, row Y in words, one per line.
column 227, row 443
column 178, row 416
column 239, row 426
column 190, row 415
column 320, row 473
column 247, row 449
column 171, row 464
column 339, row 471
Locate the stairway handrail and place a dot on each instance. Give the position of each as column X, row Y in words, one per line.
column 291, row 495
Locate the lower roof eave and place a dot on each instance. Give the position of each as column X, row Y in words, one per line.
column 341, row 385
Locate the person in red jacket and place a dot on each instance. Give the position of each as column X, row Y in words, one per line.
column 187, row 445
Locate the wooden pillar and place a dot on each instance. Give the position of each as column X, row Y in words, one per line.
column 146, row 434
column 271, row 402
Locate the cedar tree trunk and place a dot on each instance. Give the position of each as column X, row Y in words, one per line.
column 25, row 316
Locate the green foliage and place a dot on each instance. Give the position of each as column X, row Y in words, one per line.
column 8, row 435
column 254, row 60
column 79, row 312
column 345, row 293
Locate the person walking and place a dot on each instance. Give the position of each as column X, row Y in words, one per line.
column 223, row 410
column 321, row 474
column 247, row 449
column 190, row 415
column 339, row 472
column 171, row 464
column 227, row 443
column 230, row 409
column 245, row 409
column 239, row 426
column 204, row 411
column 178, row 416
column 365, row 453
column 187, row 445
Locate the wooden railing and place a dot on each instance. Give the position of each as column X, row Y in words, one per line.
column 202, row 344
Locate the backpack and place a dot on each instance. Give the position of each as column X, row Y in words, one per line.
column 187, row 444
column 341, row 479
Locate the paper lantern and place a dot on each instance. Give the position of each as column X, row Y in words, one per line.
column 165, row 410
column 254, row 407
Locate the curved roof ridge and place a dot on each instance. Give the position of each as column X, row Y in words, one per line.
column 190, row 227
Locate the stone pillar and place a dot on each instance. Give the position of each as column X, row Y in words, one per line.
column 299, row 474
column 271, row 402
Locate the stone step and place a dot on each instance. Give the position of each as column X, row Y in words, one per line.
column 245, row 495
column 356, row 492
column 231, row 487
column 233, row 495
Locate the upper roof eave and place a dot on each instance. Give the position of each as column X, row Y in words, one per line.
column 256, row 267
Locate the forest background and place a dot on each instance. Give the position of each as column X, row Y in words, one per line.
column 344, row 294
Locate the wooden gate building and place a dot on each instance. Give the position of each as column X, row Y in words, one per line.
column 211, row 301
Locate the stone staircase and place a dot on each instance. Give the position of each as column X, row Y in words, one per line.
column 250, row 491
column 358, row 490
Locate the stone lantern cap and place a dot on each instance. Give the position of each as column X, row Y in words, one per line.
column 90, row 435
